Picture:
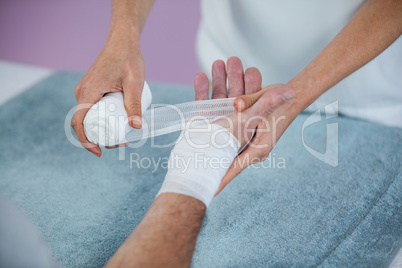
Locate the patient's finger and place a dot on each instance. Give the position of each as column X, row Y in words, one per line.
column 201, row 87
column 219, row 89
column 235, row 77
column 252, row 80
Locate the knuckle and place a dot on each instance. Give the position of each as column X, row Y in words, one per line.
column 134, row 100
column 268, row 108
column 135, row 104
column 134, row 85
column 74, row 123
column 268, row 102
column 217, row 95
column 235, row 76
column 81, row 90
column 139, row 84
column 260, row 159
column 77, row 89
column 134, row 80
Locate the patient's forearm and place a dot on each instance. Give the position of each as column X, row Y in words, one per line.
column 128, row 18
column 165, row 237
column 374, row 27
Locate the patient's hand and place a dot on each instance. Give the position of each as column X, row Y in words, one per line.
column 263, row 108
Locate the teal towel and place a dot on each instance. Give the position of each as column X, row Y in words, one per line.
column 296, row 212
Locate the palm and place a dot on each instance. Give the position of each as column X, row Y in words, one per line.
column 261, row 113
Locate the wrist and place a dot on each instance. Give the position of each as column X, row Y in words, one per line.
column 208, row 152
column 183, row 203
column 121, row 43
column 124, row 32
column 307, row 89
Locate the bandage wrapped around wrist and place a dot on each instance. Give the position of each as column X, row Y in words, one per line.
column 199, row 160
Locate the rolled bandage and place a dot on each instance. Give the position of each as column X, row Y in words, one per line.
column 106, row 122
column 199, row 160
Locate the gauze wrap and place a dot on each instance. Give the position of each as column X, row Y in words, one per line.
column 202, row 154
column 106, row 122
column 199, row 160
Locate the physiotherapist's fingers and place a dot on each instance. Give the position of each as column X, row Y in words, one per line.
column 219, row 89
column 86, row 98
column 240, row 163
column 256, row 116
column 77, row 124
column 201, row 87
column 132, row 91
column 246, row 101
column 235, row 169
column 116, row 146
column 252, row 80
column 242, row 125
column 270, row 101
column 249, row 156
column 235, row 76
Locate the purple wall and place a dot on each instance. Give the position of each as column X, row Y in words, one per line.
column 68, row 34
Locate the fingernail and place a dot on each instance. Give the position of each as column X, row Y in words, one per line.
column 135, row 121
column 239, row 105
column 287, row 95
column 98, row 153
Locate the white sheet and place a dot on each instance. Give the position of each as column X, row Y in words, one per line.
column 16, row 78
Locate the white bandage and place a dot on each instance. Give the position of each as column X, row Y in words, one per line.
column 199, row 160
column 106, row 122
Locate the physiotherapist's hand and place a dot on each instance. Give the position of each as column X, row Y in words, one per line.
column 269, row 129
column 118, row 67
column 257, row 108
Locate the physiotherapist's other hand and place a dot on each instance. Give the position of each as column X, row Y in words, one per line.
column 118, row 67
column 257, row 108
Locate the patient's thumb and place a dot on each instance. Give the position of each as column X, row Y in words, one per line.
column 132, row 102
